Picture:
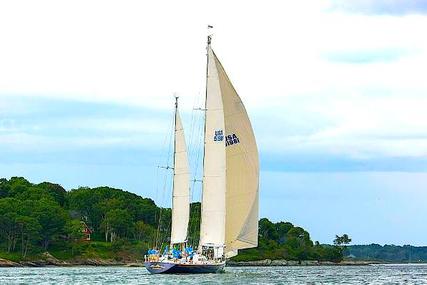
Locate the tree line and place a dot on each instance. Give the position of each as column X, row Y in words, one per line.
column 283, row 240
column 388, row 253
column 33, row 216
column 36, row 217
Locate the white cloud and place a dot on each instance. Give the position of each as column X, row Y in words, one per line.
column 278, row 54
column 20, row 141
column 381, row 7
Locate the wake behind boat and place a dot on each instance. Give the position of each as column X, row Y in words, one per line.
column 229, row 206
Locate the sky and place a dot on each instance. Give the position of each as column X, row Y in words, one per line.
column 336, row 92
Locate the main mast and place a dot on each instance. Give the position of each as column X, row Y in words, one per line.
column 204, row 133
column 173, row 167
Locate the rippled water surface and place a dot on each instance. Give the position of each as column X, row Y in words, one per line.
column 378, row 274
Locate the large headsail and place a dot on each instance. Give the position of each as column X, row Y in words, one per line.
column 212, row 228
column 242, row 170
column 181, row 185
column 231, row 167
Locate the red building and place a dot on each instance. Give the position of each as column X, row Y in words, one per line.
column 86, row 231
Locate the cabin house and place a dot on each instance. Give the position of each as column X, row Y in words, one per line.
column 86, row 231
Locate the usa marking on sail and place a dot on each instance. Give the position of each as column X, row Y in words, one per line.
column 231, row 139
column 219, row 136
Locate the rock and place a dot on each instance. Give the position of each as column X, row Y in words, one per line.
column 279, row 262
column 309, row 262
column 293, row 262
column 8, row 263
column 328, row 263
column 51, row 260
column 97, row 262
column 138, row 264
column 264, row 262
column 354, row 262
column 32, row 263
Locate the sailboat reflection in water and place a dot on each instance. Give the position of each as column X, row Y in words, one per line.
column 229, row 209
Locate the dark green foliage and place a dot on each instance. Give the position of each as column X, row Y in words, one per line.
column 56, row 191
column 94, row 203
column 51, row 217
column 285, row 241
column 143, row 232
column 194, row 224
column 39, row 217
column 4, row 188
column 389, row 253
column 342, row 240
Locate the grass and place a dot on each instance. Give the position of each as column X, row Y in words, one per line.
column 12, row 256
column 64, row 250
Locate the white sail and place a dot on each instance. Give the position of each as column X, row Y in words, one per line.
column 231, row 176
column 212, row 228
column 181, row 186
column 242, row 173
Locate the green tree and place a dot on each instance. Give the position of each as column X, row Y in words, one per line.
column 74, row 229
column 194, row 224
column 56, row 191
column 4, row 188
column 143, row 231
column 267, row 230
column 8, row 221
column 117, row 223
column 51, row 217
column 282, row 230
column 18, row 185
column 29, row 231
column 342, row 240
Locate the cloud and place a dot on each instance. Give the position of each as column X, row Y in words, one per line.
column 311, row 132
column 86, row 99
column 365, row 56
column 381, row 7
column 359, row 127
column 316, row 83
column 42, row 124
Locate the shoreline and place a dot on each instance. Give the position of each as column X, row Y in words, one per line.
column 282, row 262
column 47, row 260
column 50, row 261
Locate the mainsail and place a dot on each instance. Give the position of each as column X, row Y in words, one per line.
column 231, row 167
column 181, row 185
column 212, row 228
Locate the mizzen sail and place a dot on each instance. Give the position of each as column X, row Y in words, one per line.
column 181, row 185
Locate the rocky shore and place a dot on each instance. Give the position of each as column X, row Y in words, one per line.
column 282, row 262
column 48, row 260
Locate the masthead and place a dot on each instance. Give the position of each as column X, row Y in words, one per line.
column 209, row 35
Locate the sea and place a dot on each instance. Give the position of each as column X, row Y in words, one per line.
column 373, row 274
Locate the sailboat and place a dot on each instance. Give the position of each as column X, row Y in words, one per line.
column 229, row 206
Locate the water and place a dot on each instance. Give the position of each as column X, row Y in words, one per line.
column 378, row 274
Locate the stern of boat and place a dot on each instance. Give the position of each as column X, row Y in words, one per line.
column 158, row 267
